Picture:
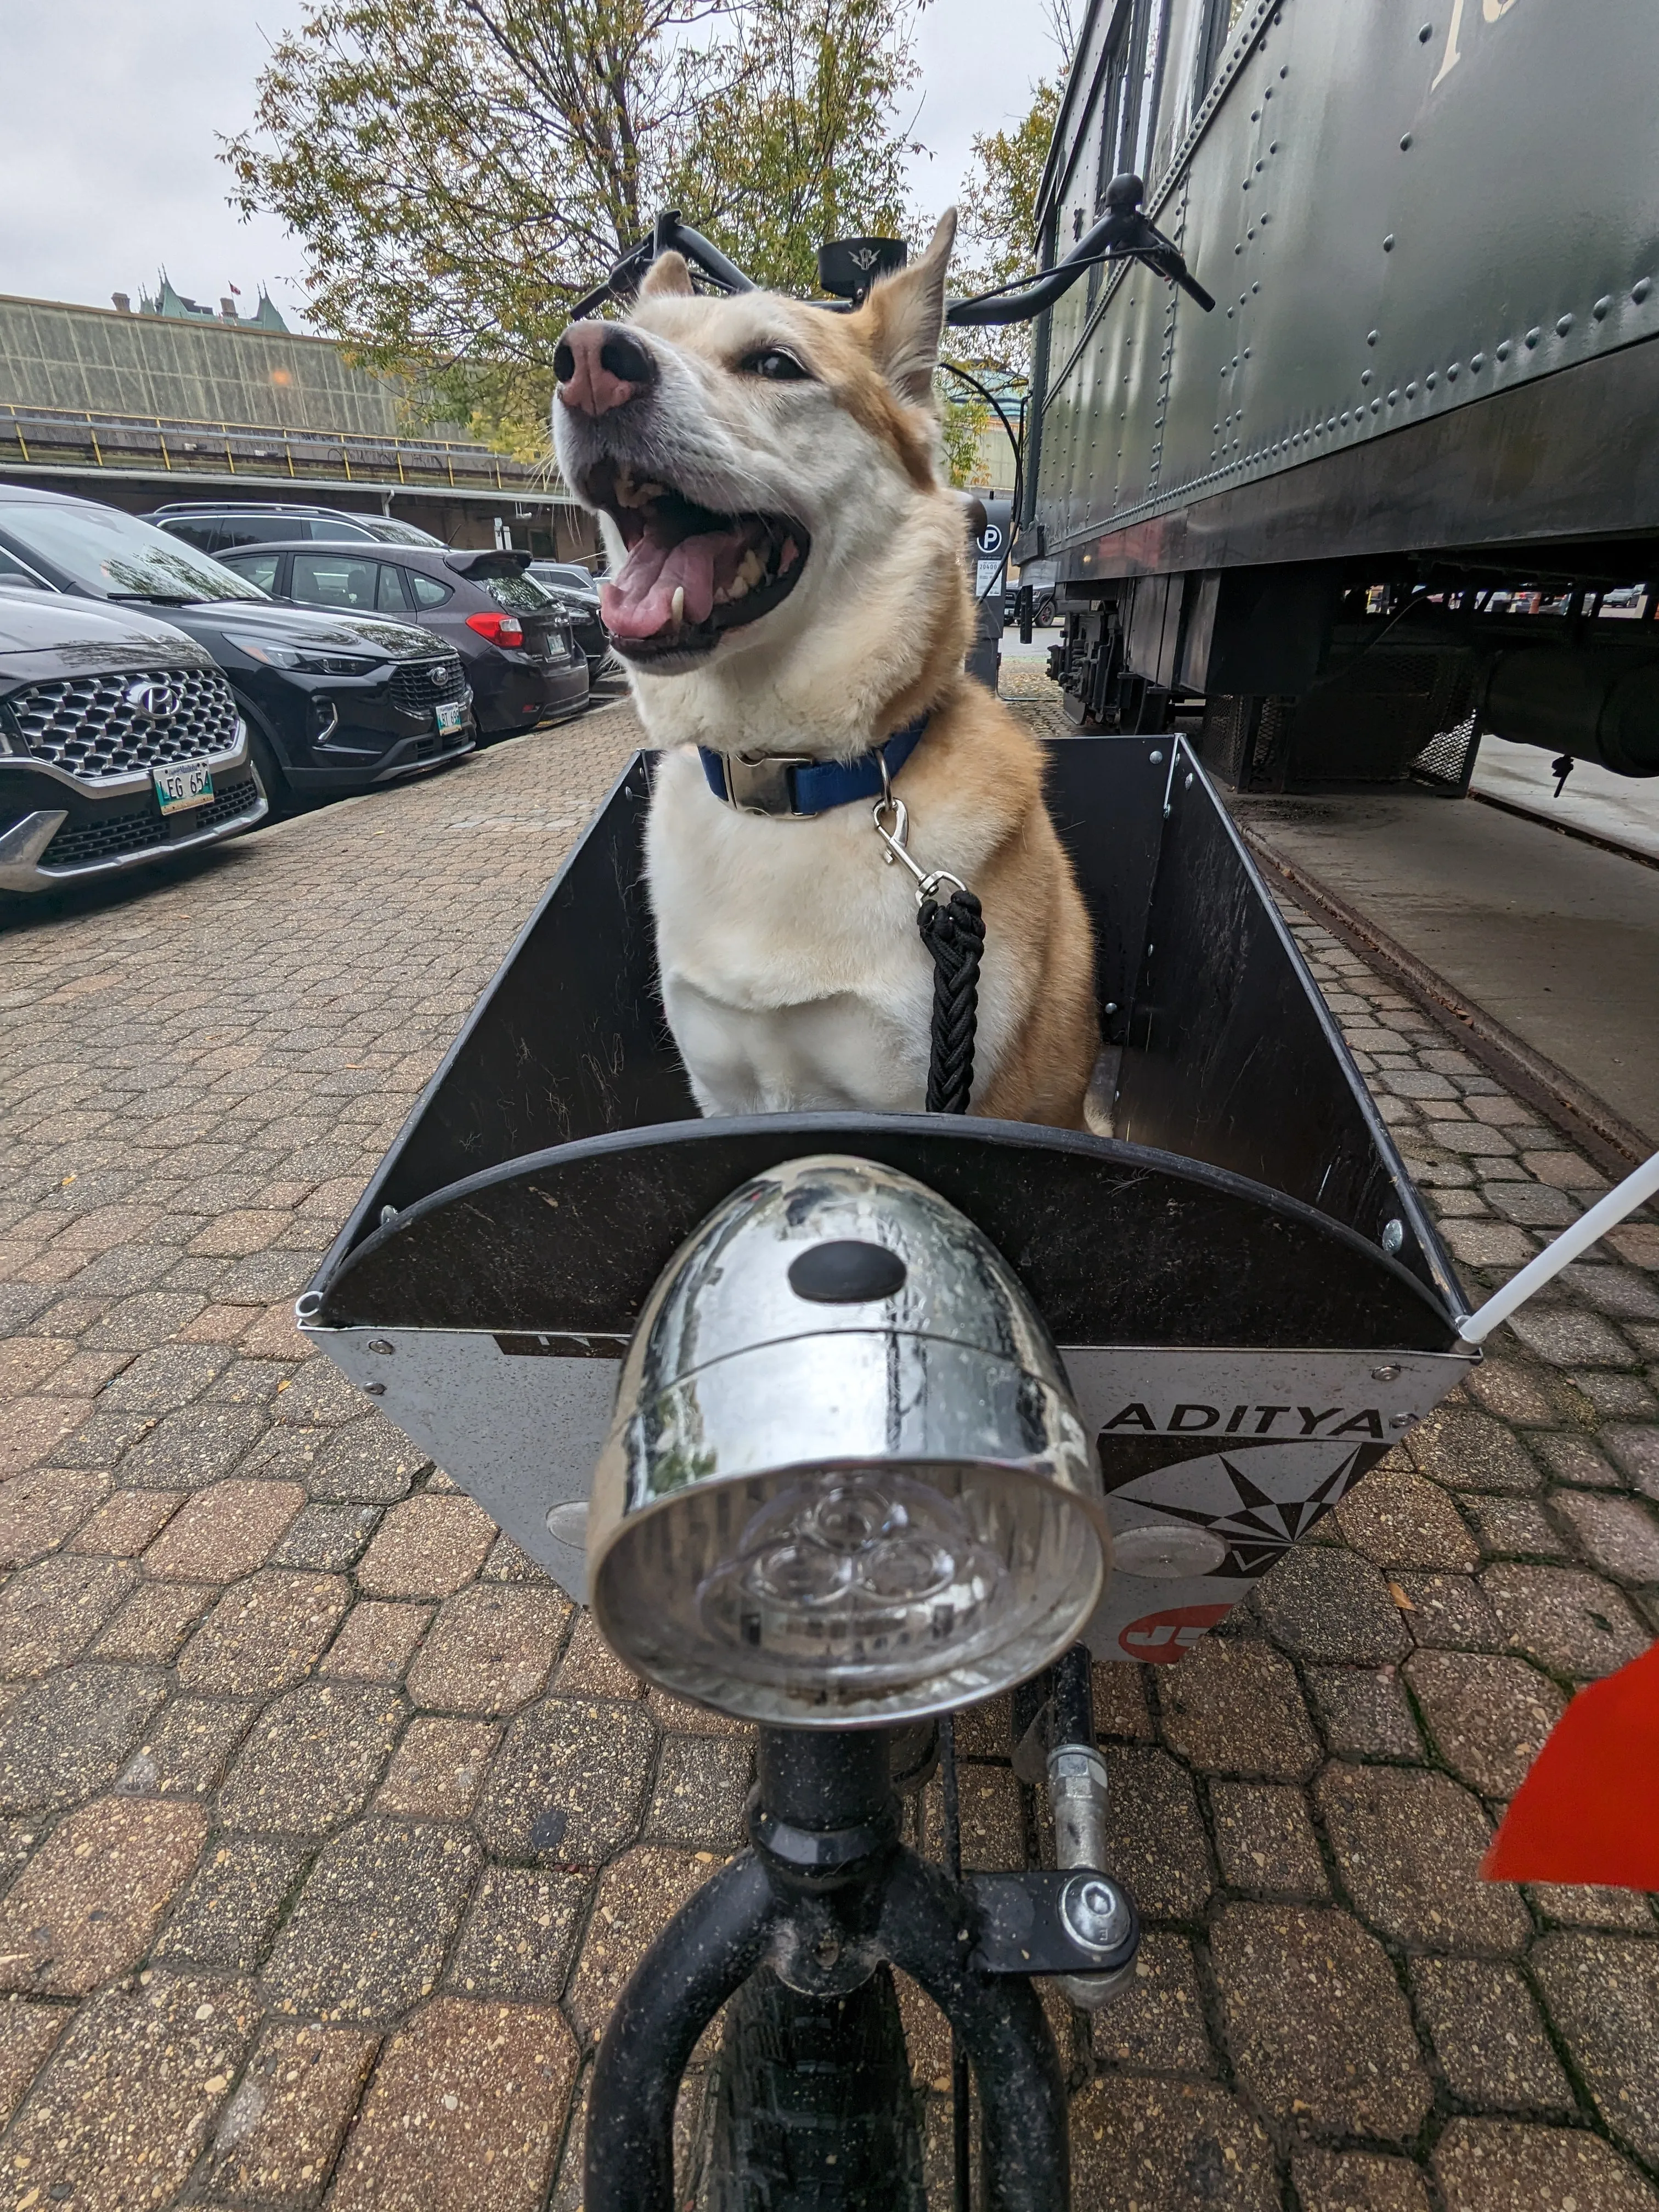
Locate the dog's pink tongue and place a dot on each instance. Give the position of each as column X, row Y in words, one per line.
column 640, row 602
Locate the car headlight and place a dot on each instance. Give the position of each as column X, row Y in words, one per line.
column 845, row 1483
column 308, row 663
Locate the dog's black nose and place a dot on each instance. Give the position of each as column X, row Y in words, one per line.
column 600, row 366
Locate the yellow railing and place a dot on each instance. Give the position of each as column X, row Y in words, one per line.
column 454, row 461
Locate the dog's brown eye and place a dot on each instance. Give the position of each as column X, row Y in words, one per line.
column 781, row 367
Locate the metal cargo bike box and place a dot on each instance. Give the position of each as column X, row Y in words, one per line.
column 1249, row 1301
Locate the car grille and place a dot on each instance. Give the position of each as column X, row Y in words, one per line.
column 79, row 845
column 97, row 726
column 423, row 683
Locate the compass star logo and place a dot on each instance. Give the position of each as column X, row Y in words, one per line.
column 1216, row 1493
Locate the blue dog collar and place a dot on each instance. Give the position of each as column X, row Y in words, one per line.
column 793, row 785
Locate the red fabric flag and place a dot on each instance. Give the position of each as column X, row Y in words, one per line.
column 1589, row 1809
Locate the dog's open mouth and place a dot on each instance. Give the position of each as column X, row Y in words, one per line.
column 690, row 574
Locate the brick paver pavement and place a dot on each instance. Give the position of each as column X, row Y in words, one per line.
column 330, row 1830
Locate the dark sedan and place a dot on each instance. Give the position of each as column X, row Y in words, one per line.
column 119, row 741
column 514, row 639
column 332, row 702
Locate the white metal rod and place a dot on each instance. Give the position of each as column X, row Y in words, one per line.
column 1606, row 1214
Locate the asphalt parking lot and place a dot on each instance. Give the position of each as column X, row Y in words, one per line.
column 279, row 1711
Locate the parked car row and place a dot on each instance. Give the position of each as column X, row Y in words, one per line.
column 154, row 697
column 514, row 639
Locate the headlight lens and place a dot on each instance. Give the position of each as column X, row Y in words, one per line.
column 848, row 1524
column 308, row 663
column 859, row 1593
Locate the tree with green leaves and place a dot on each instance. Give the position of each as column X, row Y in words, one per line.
column 459, row 172
column 998, row 223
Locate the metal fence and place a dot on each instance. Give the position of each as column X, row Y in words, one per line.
column 61, row 437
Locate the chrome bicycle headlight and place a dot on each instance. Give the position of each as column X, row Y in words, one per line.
column 845, row 1483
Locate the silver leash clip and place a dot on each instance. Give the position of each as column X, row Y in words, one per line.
column 895, row 840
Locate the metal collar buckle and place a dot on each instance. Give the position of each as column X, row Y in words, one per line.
column 761, row 785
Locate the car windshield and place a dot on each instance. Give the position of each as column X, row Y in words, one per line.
column 14, row 577
column 115, row 556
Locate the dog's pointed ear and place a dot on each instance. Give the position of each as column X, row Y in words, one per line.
column 669, row 277
column 906, row 315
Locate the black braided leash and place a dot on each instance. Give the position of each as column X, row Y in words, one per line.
column 955, row 935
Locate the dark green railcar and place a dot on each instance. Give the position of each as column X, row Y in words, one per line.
column 1402, row 484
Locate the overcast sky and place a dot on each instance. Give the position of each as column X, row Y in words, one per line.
column 107, row 167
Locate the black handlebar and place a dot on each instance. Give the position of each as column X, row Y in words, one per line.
column 670, row 236
column 1123, row 233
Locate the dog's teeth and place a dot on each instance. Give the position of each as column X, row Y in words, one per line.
column 678, row 605
column 789, row 557
column 751, row 568
column 649, row 490
column 738, row 589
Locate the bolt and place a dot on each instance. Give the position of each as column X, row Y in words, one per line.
column 1384, row 1374
column 378, row 1344
column 1388, row 243
column 1393, row 1236
column 1094, row 1912
column 826, row 1950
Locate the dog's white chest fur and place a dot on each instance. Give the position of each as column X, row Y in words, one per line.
column 791, row 972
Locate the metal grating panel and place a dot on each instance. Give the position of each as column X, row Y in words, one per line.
column 1447, row 762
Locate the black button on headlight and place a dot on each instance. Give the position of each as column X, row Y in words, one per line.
column 845, row 1272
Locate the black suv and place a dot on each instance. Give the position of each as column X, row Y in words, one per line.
column 577, row 590
column 210, row 525
column 119, row 741
column 332, row 702
column 513, row 638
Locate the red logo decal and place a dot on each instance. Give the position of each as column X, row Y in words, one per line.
column 1163, row 1638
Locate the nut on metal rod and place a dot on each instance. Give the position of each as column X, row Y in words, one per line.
column 1096, row 1913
